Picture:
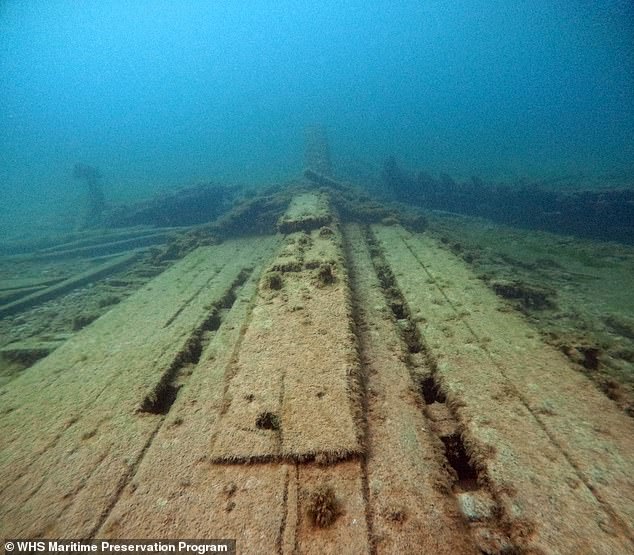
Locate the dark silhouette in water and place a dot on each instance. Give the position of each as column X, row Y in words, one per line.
column 605, row 214
column 187, row 206
column 96, row 201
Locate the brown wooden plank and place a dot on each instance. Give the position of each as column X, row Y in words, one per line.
column 70, row 432
column 534, row 477
column 297, row 365
column 411, row 507
column 178, row 491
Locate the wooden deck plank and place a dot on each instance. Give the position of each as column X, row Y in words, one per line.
column 596, row 437
column 534, row 479
column 409, row 488
column 177, row 489
column 70, row 428
column 349, row 528
column 292, row 391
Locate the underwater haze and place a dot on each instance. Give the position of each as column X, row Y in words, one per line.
column 164, row 93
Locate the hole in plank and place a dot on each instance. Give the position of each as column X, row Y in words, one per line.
column 459, row 460
column 228, row 300
column 161, row 401
column 430, row 391
column 212, row 323
column 399, row 310
column 267, row 421
column 412, row 340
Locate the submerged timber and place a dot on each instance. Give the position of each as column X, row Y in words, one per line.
column 338, row 379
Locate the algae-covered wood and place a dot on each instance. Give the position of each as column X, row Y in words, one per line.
column 543, row 450
column 71, row 432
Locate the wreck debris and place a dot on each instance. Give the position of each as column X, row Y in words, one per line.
column 359, row 379
column 68, row 284
column 185, row 207
column 606, row 214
